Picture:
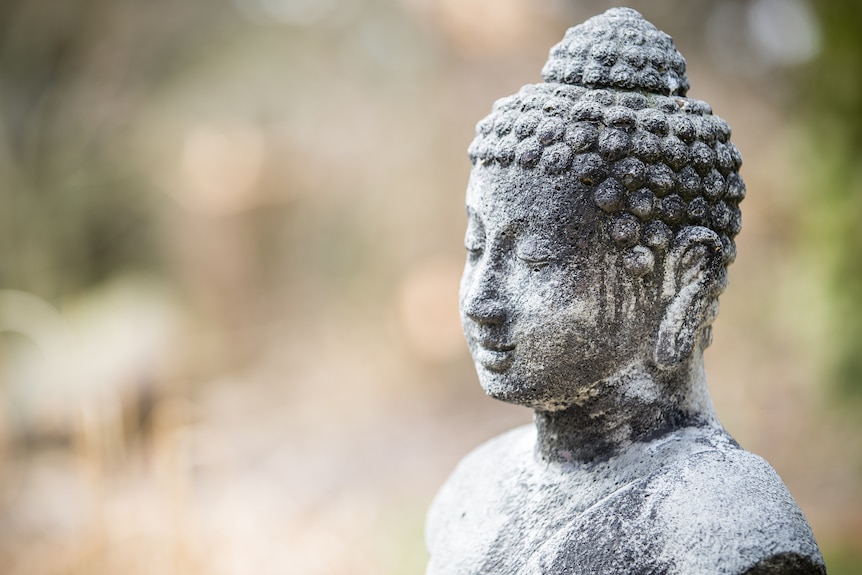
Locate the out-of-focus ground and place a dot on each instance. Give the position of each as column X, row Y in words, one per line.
column 230, row 241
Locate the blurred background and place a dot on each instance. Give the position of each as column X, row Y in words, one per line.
column 230, row 242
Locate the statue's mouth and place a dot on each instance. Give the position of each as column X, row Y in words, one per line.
column 495, row 345
column 492, row 354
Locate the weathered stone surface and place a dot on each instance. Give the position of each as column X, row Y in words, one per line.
column 602, row 208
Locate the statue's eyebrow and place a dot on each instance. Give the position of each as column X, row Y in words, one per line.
column 517, row 227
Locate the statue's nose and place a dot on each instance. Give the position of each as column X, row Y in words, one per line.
column 483, row 302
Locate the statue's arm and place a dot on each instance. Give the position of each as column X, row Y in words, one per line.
column 787, row 564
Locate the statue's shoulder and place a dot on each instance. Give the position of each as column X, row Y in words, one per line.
column 733, row 509
column 474, row 479
column 469, row 512
column 490, row 460
column 721, row 510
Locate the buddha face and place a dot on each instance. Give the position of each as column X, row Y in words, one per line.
column 548, row 312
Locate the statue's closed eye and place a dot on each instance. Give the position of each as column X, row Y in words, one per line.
column 474, row 240
column 535, row 252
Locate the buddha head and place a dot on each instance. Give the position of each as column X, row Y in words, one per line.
column 602, row 209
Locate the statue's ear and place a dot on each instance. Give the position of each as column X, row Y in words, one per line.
column 693, row 277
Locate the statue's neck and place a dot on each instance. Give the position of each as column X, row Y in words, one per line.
column 633, row 406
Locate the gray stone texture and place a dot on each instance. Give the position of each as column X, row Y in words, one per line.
column 602, row 210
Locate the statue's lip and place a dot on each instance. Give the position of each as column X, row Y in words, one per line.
column 490, row 344
column 493, row 355
column 493, row 360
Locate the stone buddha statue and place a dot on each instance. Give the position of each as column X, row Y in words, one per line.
column 602, row 209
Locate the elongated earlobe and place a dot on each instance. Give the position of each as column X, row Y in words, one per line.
column 693, row 278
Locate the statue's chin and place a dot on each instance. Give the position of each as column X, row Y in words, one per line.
column 510, row 388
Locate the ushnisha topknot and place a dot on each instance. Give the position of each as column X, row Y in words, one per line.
column 612, row 113
column 618, row 50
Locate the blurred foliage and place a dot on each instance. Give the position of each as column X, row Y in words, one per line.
column 72, row 75
column 833, row 99
column 842, row 561
column 73, row 213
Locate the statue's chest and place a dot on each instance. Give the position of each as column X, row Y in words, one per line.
column 495, row 524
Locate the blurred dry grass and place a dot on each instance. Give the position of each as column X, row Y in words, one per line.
column 230, row 260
